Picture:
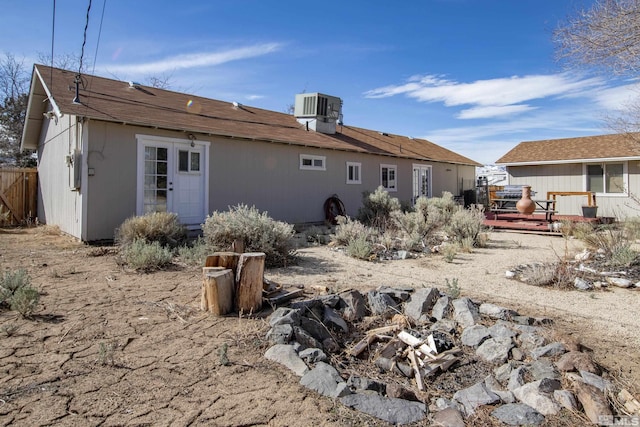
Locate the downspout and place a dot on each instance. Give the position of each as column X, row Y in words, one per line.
column 84, row 179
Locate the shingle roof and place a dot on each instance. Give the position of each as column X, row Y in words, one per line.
column 113, row 100
column 568, row 149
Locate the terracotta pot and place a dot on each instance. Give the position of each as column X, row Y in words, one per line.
column 525, row 205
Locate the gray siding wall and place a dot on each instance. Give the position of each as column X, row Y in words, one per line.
column 57, row 203
column 569, row 177
column 265, row 175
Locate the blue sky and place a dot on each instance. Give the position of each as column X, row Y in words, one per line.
column 475, row 76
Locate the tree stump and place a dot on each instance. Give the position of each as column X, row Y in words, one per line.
column 249, row 279
column 217, row 290
column 223, row 259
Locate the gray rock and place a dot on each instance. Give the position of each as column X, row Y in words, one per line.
column 581, row 284
column 518, row 414
column 530, row 341
column 619, row 282
column 443, row 403
column 597, row 381
column 398, row 294
column 421, row 302
column 543, row 368
column 284, row 315
column 517, row 354
column 530, row 394
column 502, row 372
column 280, row 334
column 315, row 328
column 448, row 417
column 394, row 411
column 442, row 308
column 331, row 300
column 333, row 320
column 523, row 320
column 496, row 312
column 285, row 355
column 312, row 355
column 549, row 385
column 577, row 361
column 355, row 306
column 306, row 305
column 502, row 330
column 381, row 304
column 527, row 328
column 445, row 325
column 359, row 384
column 566, row 399
column 492, row 385
column 495, row 350
column 465, row 312
column 399, row 392
column 324, row 379
column 593, row 401
column 553, row 349
column 304, row 338
column 517, row 378
column 474, row 335
column 475, row 396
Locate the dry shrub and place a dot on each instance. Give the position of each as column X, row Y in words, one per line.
column 146, row 257
column 614, row 245
column 465, row 225
column 194, row 253
column 377, row 207
column 17, row 293
column 349, row 229
column 360, row 248
column 258, row 232
column 559, row 275
column 161, row 227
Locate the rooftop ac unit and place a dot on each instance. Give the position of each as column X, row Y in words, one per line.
column 318, row 112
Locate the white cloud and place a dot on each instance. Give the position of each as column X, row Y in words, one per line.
column 193, row 60
column 493, row 111
column 254, row 97
column 508, row 93
column 619, row 97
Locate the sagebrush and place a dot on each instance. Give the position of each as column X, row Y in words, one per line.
column 258, row 232
column 161, row 227
column 377, row 207
column 145, row 257
column 17, row 292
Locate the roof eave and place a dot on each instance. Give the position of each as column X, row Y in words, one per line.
column 568, row 161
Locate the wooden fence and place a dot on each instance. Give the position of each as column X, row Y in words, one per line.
column 18, row 196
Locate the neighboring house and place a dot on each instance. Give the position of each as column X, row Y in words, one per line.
column 608, row 165
column 123, row 149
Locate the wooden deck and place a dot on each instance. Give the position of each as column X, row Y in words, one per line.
column 536, row 223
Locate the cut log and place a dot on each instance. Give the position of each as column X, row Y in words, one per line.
column 223, row 259
column 416, row 369
column 283, row 296
column 416, row 343
column 362, row 345
column 217, row 290
column 249, row 282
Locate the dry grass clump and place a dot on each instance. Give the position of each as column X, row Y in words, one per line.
column 17, row 293
column 145, row 257
column 161, row 227
column 614, row 245
column 258, row 232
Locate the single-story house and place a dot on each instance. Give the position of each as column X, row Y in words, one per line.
column 607, row 165
column 108, row 150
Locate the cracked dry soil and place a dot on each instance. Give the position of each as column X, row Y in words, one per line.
column 110, row 347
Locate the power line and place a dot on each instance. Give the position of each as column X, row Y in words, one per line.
column 53, row 33
column 84, row 39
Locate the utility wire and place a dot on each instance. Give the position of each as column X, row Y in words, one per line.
column 84, row 39
column 95, row 56
column 53, row 34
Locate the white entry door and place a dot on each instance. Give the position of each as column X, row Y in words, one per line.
column 421, row 182
column 172, row 177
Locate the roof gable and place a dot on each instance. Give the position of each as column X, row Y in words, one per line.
column 117, row 101
column 598, row 147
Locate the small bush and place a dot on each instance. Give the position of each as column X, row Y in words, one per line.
column 194, row 253
column 25, row 300
column 631, row 228
column 17, row 293
column 359, row 248
column 449, row 252
column 258, row 231
column 452, row 288
column 161, row 227
column 613, row 243
column 465, row 225
column 377, row 207
column 348, row 230
column 143, row 256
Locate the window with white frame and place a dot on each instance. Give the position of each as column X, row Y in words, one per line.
column 353, row 173
column 606, row 178
column 309, row 162
column 388, row 175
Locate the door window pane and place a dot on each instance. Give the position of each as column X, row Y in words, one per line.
column 195, row 162
column 162, row 153
column 183, row 161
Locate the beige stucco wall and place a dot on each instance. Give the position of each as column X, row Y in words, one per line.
column 265, row 175
column 569, row 177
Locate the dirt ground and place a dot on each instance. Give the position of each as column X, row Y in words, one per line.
column 110, row 347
